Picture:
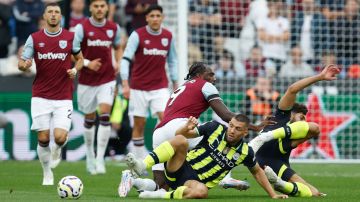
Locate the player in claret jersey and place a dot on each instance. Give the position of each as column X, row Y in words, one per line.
column 52, row 89
column 194, row 97
column 97, row 80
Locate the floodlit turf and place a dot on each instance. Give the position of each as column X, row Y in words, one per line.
column 21, row 181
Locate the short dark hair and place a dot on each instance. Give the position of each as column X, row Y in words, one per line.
column 195, row 69
column 51, row 4
column 299, row 108
column 154, row 7
column 91, row 1
column 242, row 118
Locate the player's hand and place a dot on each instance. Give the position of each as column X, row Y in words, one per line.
column 72, row 73
column 126, row 91
column 266, row 122
column 95, row 64
column 26, row 65
column 329, row 72
column 116, row 68
column 192, row 123
column 280, row 196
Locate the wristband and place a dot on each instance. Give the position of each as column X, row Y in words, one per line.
column 86, row 62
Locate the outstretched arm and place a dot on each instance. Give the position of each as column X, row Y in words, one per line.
column 188, row 130
column 260, row 177
column 328, row 73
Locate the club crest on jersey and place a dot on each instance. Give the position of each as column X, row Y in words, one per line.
column 62, row 44
column 109, row 33
column 236, row 156
column 41, row 45
column 165, row 42
column 147, row 42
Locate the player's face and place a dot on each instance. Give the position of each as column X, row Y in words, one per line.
column 154, row 19
column 297, row 117
column 98, row 10
column 52, row 16
column 236, row 131
column 209, row 76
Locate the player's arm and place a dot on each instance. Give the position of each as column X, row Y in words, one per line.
column 118, row 51
column 27, row 54
column 189, row 129
column 173, row 64
column 130, row 49
column 328, row 73
column 261, row 178
column 79, row 63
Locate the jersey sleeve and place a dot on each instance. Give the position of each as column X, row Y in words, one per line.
column 173, row 62
column 117, row 39
column 210, row 92
column 28, row 51
column 207, row 128
column 131, row 47
column 79, row 33
column 250, row 159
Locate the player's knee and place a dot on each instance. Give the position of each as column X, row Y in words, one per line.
column 314, row 130
column 60, row 140
column 104, row 119
column 43, row 142
column 88, row 123
column 200, row 191
column 180, row 142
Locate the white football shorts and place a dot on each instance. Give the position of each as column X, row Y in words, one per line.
column 43, row 111
column 89, row 97
column 167, row 132
column 141, row 100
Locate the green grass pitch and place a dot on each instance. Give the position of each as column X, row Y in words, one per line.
column 21, row 181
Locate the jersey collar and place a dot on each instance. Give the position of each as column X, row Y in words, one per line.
column 53, row 34
column 152, row 32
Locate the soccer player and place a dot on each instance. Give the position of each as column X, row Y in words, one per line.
column 191, row 174
column 96, row 86
column 273, row 148
column 148, row 49
column 52, row 89
column 194, row 97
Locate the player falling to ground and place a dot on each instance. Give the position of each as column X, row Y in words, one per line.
column 273, row 148
column 192, row 173
column 52, row 89
column 194, row 97
column 148, row 49
column 96, row 86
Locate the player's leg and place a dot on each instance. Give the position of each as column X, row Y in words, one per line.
column 296, row 130
column 86, row 96
column 191, row 189
column 41, row 110
column 296, row 178
column 314, row 132
column 282, row 185
column 138, row 108
column 62, row 123
column 105, row 99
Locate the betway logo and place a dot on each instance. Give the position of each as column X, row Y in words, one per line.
column 52, row 56
column 155, row 51
column 98, row 42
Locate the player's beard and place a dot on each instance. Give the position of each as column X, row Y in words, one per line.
column 53, row 24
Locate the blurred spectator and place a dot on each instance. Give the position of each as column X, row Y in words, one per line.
column 27, row 14
column 5, row 35
column 273, row 34
column 135, row 13
column 327, row 57
column 261, row 99
column 332, row 9
column 295, row 67
column 255, row 63
column 233, row 14
column 77, row 13
column 354, row 71
column 195, row 54
column 225, row 68
column 301, row 29
column 205, row 21
column 348, row 35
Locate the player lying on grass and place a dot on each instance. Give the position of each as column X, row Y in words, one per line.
column 192, row 173
column 273, row 149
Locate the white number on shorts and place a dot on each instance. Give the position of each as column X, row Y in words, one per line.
column 175, row 94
